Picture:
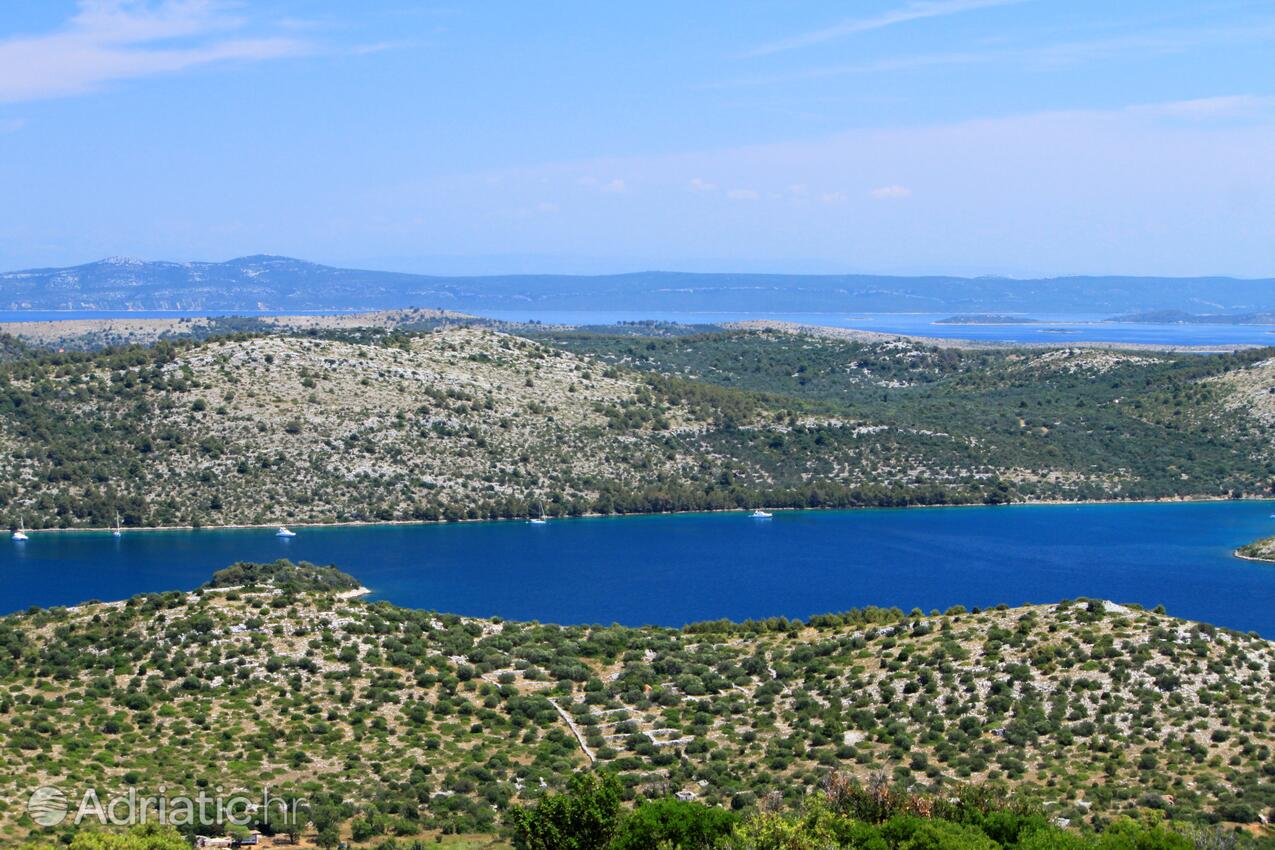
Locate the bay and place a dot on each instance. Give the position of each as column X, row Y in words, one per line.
column 675, row 569
column 1045, row 330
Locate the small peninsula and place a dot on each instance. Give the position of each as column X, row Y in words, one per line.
column 1258, row 550
column 986, row 319
column 1181, row 317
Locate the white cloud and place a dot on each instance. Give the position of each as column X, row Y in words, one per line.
column 12, row 125
column 1078, row 191
column 698, row 184
column 911, row 12
column 892, row 192
column 614, row 186
column 1206, row 108
column 109, row 40
column 1049, row 56
column 381, row 47
column 547, row 207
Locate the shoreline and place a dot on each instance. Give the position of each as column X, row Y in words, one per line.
column 1168, row 500
column 869, row 336
column 51, row 326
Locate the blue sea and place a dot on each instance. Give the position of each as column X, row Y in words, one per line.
column 672, row 570
column 1052, row 330
column 1055, row 330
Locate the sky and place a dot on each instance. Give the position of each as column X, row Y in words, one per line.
column 1003, row 137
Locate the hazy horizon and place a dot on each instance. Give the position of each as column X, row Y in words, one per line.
column 538, row 266
column 1020, row 138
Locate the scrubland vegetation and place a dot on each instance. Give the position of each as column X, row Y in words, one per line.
column 427, row 421
column 397, row 722
column 1077, row 724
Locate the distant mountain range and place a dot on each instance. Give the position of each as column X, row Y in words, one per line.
column 268, row 283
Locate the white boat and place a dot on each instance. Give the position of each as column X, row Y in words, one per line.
column 760, row 514
column 21, row 533
column 284, row 531
column 118, row 532
column 539, row 520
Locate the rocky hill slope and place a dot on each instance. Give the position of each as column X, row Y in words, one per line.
column 344, row 424
column 274, row 428
column 443, row 721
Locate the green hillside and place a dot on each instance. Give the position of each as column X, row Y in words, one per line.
column 346, row 423
column 1087, row 709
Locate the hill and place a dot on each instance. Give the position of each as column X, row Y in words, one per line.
column 463, row 422
column 1258, row 550
column 281, row 283
column 1086, row 707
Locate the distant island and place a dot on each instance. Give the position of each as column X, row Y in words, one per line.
column 1179, row 317
column 986, row 319
column 265, row 283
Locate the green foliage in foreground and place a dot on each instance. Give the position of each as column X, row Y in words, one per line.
column 144, row 837
column 584, row 818
column 847, row 815
column 406, row 722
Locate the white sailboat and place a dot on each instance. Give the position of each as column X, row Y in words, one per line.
column 284, row 531
column 21, row 533
column 539, row 520
column 118, row 532
column 760, row 514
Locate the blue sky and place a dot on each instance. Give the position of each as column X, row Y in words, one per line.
column 1019, row 137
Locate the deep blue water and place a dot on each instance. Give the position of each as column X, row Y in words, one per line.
column 677, row 569
column 1047, row 330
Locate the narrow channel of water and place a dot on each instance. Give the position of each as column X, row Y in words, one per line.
column 676, row 569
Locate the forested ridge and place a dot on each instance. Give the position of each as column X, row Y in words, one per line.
column 458, row 422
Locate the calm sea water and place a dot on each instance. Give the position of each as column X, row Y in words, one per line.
column 1047, row 330
column 1058, row 329
column 677, row 569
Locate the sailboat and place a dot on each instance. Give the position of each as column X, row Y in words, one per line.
column 284, row 531
column 118, row 532
column 21, row 533
column 539, row 520
column 760, row 514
